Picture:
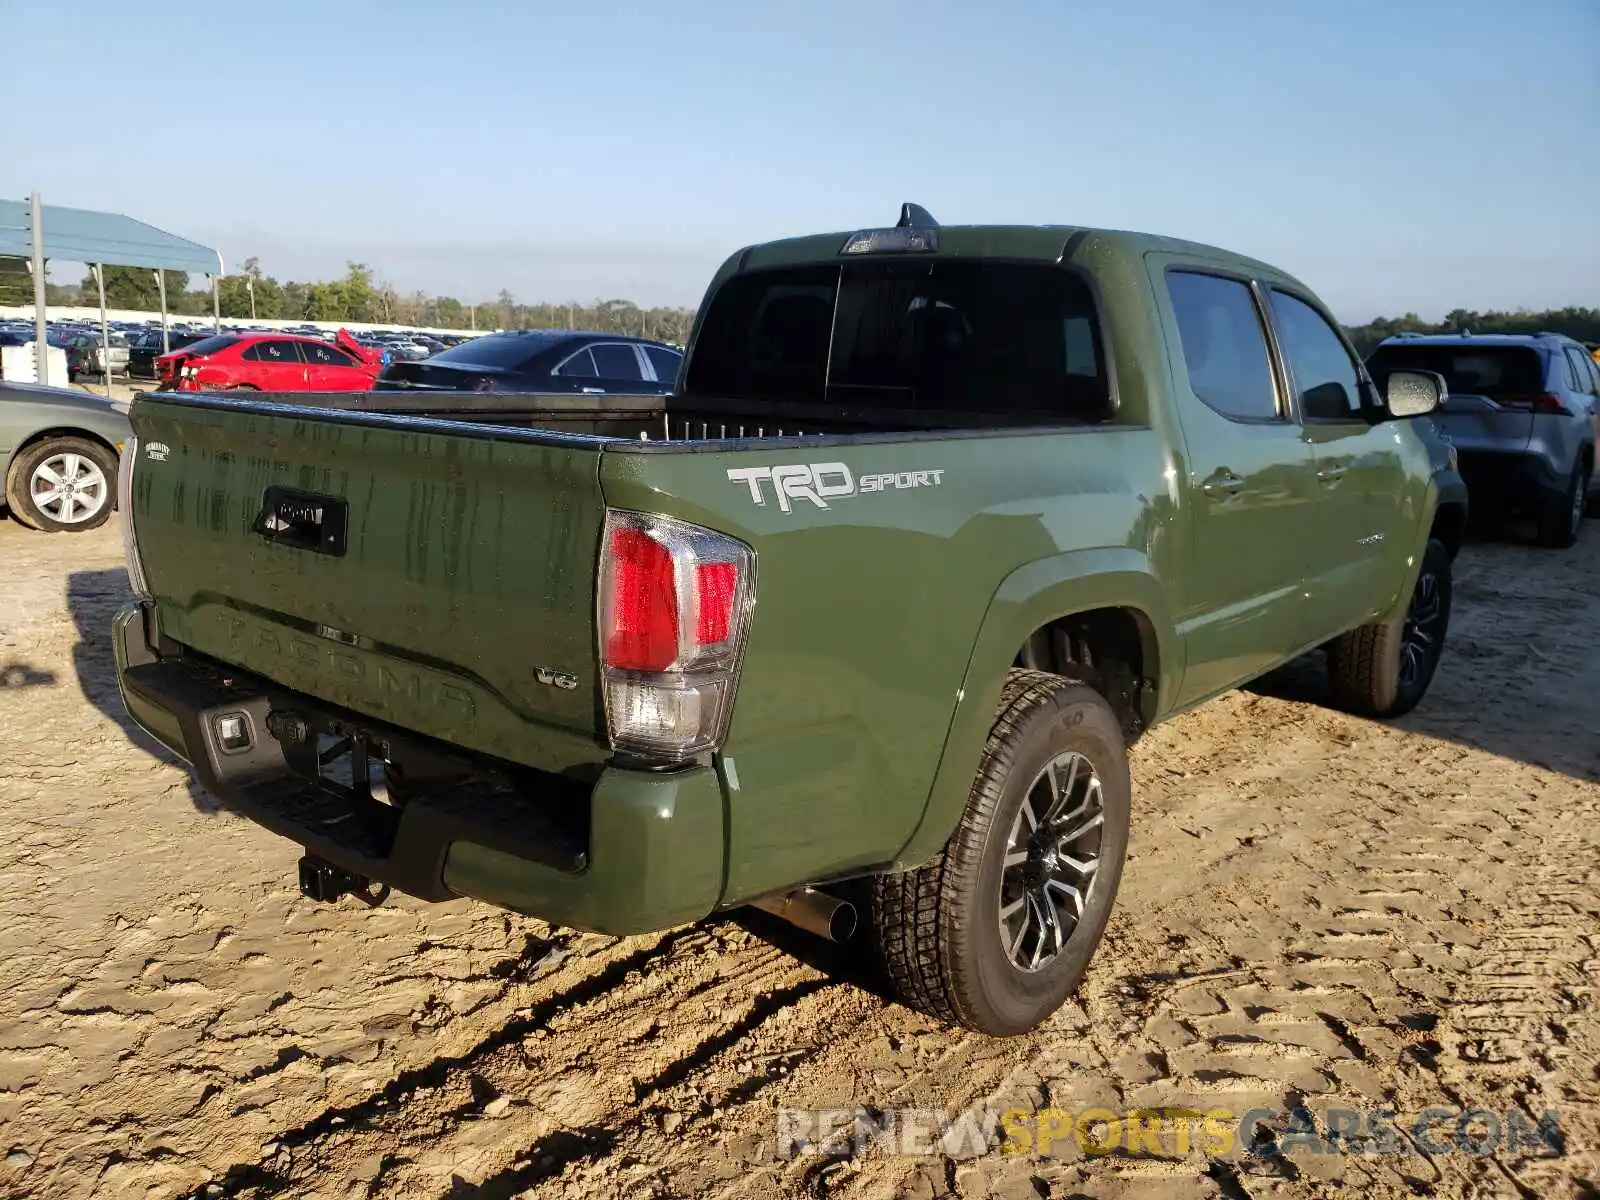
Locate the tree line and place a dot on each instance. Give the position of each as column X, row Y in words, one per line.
column 360, row 296
column 1580, row 323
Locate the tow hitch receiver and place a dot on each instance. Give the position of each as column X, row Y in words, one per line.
column 325, row 882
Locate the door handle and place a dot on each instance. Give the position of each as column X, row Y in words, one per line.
column 1330, row 474
column 594, row 391
column 1223, row 483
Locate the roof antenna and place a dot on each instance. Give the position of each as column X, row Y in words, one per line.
column 914, row 216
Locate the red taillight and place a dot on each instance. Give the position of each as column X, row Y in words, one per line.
column 1539, row 402
column 675, row 603
column 643, row 631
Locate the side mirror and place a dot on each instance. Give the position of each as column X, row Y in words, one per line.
column 1413, row 393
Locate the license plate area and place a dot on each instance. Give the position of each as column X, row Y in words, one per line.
column 303, row 521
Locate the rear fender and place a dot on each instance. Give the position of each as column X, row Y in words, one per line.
column 1029, row 598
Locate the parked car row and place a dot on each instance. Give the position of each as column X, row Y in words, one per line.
column 523, row 361
column 87, row 353
column 193, row 358
column 134, row 346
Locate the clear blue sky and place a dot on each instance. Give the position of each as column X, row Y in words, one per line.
column 1423, row 156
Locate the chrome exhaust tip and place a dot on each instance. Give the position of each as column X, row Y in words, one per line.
column 815, row 912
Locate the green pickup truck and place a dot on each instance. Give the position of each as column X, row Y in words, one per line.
column 935, row 523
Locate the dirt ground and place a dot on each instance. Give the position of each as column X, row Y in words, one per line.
column 122, row 389
column 1318, row 912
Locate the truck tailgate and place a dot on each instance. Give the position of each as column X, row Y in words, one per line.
column 439, row 577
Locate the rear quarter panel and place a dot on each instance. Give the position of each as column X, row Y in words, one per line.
column 868, row 613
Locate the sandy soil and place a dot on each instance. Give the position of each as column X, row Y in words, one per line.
column 122, row 389
column 1318, row 911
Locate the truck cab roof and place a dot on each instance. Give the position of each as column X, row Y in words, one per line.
column 1482, row 339
column 1042, row 243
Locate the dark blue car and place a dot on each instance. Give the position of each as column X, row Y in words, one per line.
column 543, row 360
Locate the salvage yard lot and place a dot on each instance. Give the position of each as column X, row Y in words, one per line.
column 1317, row 911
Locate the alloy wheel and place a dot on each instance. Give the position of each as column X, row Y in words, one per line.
column 1421, row 635
column 69, row 488
column 1052, row 856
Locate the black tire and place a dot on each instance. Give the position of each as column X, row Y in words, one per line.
column 938, row 928
column 19, row 491
column 1368, row 666
column 1560, row 520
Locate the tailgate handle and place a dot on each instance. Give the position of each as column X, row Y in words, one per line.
column 303, row 520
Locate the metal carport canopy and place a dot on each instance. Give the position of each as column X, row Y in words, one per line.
column 82, row 235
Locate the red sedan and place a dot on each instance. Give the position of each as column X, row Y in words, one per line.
column 270, row 362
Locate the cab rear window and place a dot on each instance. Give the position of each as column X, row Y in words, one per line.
column 1467, row 370
column 948, row 337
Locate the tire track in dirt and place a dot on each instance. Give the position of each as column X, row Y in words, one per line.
column 568, row 1082
column 1398, row 891
column 618, row 963
column 1317, row 909
column 1256, row 1052
column 1521, row 1030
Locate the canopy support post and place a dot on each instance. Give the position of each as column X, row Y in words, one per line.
column 105, row 328
column 161, row 290
column 41, row 324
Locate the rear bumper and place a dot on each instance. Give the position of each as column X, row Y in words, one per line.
column 631, row 852
column 1511, row 475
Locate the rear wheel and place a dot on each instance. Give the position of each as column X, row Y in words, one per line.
column 63, row 485
column 997, row 931
column 1383, row 670
column 1561, row 519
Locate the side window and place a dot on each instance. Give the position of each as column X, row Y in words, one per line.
column 579, row 365
column 1325, row 376
column 1582, row 380
column 665, row 362
column 272, row 352
column 1224, row 347
column 616, row 362
column 326, row 356
column 1564, row 379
